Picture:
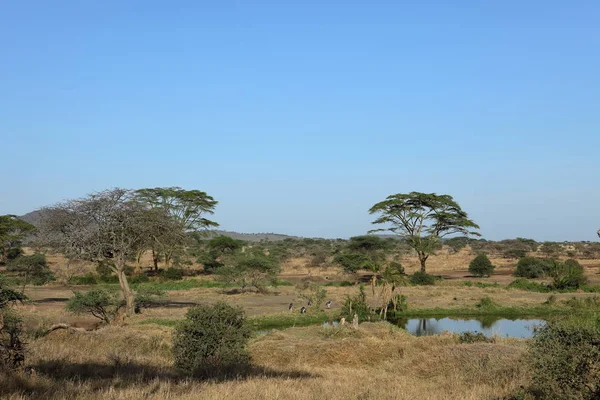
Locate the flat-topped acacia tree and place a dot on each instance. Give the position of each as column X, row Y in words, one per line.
column 106, row 226
column 188, row 208
column 422, row 219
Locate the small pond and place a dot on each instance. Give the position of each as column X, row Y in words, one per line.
column 517, row 328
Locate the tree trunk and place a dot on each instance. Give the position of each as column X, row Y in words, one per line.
column 373, row 283
column 422, row 260
column 155, row 259
column 126, row 290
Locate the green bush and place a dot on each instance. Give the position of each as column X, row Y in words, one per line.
column 515, row 253
column 531, row 267
column 212, row 340
column 139, row 278
column 481, row 266
column 486, row 303
column 100, row 303
column 565, row 359
column 567, row 275
column 357, row 305
column 473, row 337
column 108, row 279
column 353, row 262
column 32, row 269
column 524, row 284
column 13, row 253
column 87, row 279
column 172, row 274
column 421, row 278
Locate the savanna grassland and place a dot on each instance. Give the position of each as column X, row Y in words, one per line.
column 133, row 358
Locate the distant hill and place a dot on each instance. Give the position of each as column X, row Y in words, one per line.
column 254, row 237
column 34, row 218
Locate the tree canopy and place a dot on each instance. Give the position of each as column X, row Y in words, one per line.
column 12, row 231
column 422, row 219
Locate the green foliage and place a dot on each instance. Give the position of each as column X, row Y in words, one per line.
column 353, row 262
column 565, row 360
column 515, row 253
column 209, row 261
column 148, row 295
column 31, row 269
column 531, row 267
column 12, row 348
column 12, row 231
column 314, row 294
column 357, row 305
column 87, row 279
column 100, row 303
column 473, row 337
column 422, row 219
column 457, row 243
column 224, row 245
column 567, row 275
column 139, row 278
column 250, row 269
column 172, row 274
column 481, row 266
column 13, row 253
column 212, row 340
column 421, row 278
column 486, row 303
column 524, row 284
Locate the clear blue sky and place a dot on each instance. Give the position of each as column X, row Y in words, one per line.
column 298, row 116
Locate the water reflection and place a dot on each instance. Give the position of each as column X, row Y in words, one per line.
column 518, row 328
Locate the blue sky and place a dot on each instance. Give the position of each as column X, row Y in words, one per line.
column 298, row 116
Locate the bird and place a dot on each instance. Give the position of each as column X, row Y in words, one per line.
column 303, row 310
column 328, row 304
column 309, row 303
column 291, row 306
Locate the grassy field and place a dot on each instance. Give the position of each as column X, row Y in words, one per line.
column 377, row 361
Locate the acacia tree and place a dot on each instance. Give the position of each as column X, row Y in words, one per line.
column 187, row 207
column 422, row 219
column 110, row 226
column 12, row 231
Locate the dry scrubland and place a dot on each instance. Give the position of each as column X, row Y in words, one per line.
column 377, row 361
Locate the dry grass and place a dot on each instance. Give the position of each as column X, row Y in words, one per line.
column 378, row 361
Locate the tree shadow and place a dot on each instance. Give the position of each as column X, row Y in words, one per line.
column 102, row 376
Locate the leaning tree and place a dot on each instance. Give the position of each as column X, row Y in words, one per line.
column 422, row 219
column 106, row 226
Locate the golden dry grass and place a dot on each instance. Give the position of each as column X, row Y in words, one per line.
column 378, row 361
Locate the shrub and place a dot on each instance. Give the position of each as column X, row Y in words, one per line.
column 212, row 340
column 148, row 295
column 314, row 294
column 257, row 270
column 567, row 275
column 396, row 267
column 353, row 262
column 100, row 303
column 357, row 305
column 87, row 279
column 32, row 269
column 486, row 303
column 139, row 278
column 531, row 267
column 481, row 266
column 515, row 253
column 524, row 284
column 13, row 253
column 565, row 359
column 172, row 274
column 473, row 337
column 421, row 278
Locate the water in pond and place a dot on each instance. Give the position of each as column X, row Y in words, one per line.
column 518, row 328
